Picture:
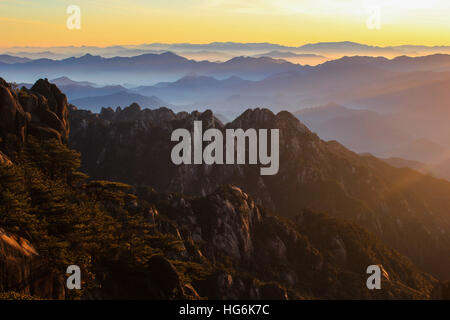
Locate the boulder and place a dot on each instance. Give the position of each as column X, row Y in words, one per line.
column 42, row 111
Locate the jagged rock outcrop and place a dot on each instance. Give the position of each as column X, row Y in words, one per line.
column 49, row 111
column 41, row 111
column 266, row 257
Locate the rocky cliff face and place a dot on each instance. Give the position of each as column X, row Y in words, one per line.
column 22, row 270
column 49, row 110
column 258, row 255
column 14, row 120
column 409, row 211
column 41, row 111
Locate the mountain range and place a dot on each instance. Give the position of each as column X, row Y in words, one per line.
column 323, row 176
column 223, row 244
column 331, row 49
column 143, row 68
column 402, row 100
column 386, row 107
column 8, row 59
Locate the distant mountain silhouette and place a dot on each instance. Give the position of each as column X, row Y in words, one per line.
column 8, row 59
column 65, row 81
column 194, row 87
column 213, row 56
column 423, row 150
column 224, row 49
column 384, row 135
column 119, row 99
column 300, row 58
column 359, row 130
column 435, row 62
column 287, row 54
column 165, row 65
column 76, row 91
column 438, row 170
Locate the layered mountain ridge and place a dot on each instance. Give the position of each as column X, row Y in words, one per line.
column 218, row 244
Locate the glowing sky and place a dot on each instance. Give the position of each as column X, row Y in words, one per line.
column 289, row 22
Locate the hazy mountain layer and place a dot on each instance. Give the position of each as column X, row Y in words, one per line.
column 226, row 49
column 146, row 68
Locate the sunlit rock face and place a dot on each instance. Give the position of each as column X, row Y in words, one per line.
column 41, row 111
column 22, row 270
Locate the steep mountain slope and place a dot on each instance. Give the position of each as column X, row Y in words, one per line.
column 409, row 134
column 359, row 130
column 313, row 255
column 421, row 110
column 407, row 210
column 147, row 245
column 441, row 170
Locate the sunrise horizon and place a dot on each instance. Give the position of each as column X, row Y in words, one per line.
column 131, row 22
column 293, row 45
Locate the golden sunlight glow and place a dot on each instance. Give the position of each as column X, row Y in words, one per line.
column 290, row 22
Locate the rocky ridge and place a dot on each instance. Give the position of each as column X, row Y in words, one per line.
column 41, row 111
column 247, row 251
column 404, row 208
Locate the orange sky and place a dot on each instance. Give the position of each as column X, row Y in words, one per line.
column 289, row 22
